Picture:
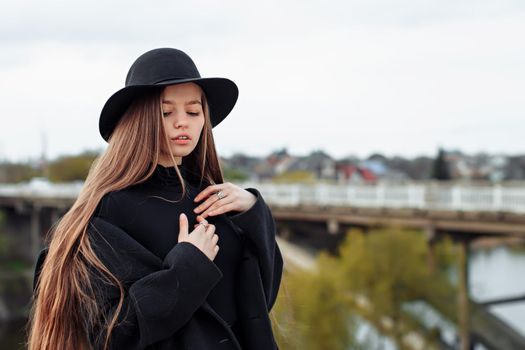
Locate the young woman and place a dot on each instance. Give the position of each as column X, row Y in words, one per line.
column 135, row 263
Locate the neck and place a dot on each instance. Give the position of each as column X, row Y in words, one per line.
column 168, row 163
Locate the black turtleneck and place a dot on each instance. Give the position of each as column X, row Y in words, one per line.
column 154, row 223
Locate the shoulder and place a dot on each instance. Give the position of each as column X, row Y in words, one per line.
column 112, row 198
column 116, row 207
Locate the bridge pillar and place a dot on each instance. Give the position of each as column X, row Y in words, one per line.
column 463, row 296
column 431, row 237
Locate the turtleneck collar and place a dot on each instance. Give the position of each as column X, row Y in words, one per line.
column 167, row 175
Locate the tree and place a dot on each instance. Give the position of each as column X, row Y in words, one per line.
column 72, row 168
column 17, row 172
column 373, row 278
column 440, row 169
column 295, row 176
column 234, row 174
column 311, row 314
column 388, row 268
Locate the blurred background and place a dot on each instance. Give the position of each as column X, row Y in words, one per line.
column 385, row 136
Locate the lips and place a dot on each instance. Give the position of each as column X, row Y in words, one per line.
column 178, row 137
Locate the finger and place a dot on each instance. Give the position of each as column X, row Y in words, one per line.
column 206, row 192
column 219, row 209
column 217, row 204
column 207, row 203
column 202, row 222
column 200, row 218
column 183, row 226
column 211, row 230
column 202, row 226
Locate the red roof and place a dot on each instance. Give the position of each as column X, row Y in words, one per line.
column 349, row 170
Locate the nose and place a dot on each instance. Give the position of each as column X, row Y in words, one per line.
column 180, row 119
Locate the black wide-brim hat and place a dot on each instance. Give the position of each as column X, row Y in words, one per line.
column 162, row 67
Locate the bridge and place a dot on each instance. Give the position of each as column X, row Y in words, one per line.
column 463, row 210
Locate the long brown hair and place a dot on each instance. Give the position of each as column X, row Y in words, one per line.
column 64, row 307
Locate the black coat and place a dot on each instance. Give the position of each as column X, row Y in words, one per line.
column 165, row 299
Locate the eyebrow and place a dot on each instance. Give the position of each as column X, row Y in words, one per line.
column 194, row 102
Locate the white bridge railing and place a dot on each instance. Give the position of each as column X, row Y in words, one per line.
column 505, row 197
column 430, row 195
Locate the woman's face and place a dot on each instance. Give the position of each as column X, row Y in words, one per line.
column 182, row 115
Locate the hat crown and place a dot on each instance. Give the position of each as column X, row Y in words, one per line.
column 158, row 65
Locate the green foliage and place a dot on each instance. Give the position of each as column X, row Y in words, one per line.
column 311, row 315
column 372, row 277
column 389, row 267
column 71, row 168
column 4, row 242
column 17, row 172
column 233, row 174
column 296, row 176
column 15, row 266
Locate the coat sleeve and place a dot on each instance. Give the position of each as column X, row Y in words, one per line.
column 258, row 226
column 160, row 295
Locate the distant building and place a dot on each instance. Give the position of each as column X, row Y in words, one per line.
column 480, row 166
column 318, row 162
column 348, row 173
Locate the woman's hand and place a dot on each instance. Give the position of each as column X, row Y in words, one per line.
column 232, row 197
column 203, row 236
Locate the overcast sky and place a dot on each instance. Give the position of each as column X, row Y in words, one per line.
column 349, row 77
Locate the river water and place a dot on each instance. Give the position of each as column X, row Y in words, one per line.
column 500, row 273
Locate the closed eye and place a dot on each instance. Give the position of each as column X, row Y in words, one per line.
column 193, row 114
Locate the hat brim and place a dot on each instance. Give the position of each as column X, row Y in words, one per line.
column 221, row 94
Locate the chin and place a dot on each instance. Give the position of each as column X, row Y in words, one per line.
column 181, row 154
